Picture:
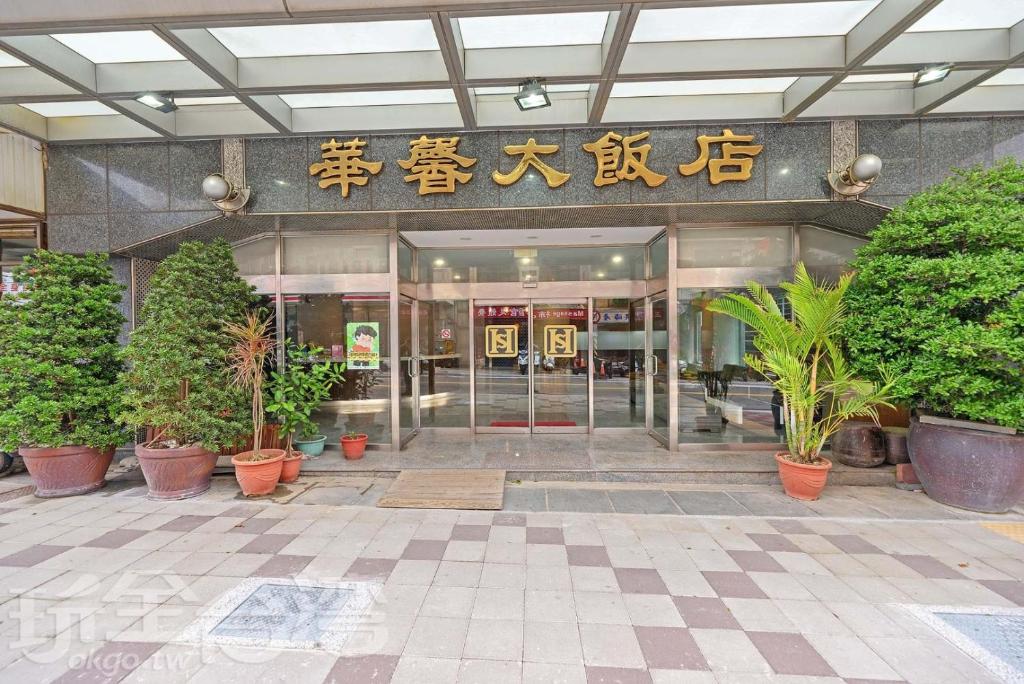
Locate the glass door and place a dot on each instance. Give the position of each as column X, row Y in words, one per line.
column 562, row 367
column 658, row 370
column 408, row 408
column 444, row 362
column 503, row 357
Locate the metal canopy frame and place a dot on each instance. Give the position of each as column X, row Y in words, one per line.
column 878, row 44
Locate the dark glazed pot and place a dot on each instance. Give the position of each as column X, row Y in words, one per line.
column 859, row 444
column 176, row 473
column 973, row 469
column 68, row 470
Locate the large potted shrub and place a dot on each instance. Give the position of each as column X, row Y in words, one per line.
column 179, row 381
column 258, row 469
column 802, row 358
column 296, row 391
column 59, row 365
column 939, row 297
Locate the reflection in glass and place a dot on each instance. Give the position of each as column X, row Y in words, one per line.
column 335, row 254
column 660, row 373
column 545, row 264
column 502, row 382
column 617, row 364
column 720, row 398
column 257, row 257
column 826, row 253
column 659, row 256
column 404, row 261
column 560, row 379
column 444, row 363
column 732, row 246
column 362, row 403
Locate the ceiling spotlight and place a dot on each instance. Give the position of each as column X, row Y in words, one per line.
column 617, row 259
column 532, row 95
column 524, row 260
column 932, row 74
column 857, row 176
column 438, row 262
column 223, row 194
column 162, row 102
column 600, row 274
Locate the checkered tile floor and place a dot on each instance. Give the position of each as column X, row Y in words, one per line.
column 102, row 588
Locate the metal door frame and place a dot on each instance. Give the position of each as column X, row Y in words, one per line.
column 652, row 366
column 410, row 366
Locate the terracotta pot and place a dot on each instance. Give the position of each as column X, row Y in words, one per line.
column 802, row 481
column 968, row 468
column 176, row 473
column 68, row 470
column 290, row 467
column 353, row 447
column 257, row 478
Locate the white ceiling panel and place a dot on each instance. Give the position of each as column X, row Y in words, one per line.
column 83, row 108
column 750, row 21
column 369, row 98
column 351, row 38
column 880, row 78
column 120, row 47
column 966, row 15
column 702, row 87
column 216, row 100
column 533, row 30
column 8, row 61
column 1006, row 77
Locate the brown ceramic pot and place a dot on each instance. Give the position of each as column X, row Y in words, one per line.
column 176, row 473
column 67, row 470
column 859, row 444
column 257, row 478
column 353, row 447
column 290, row 467
column 800, row 480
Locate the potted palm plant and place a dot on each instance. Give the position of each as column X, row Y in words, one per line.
column 178, row 385
column 59, row 365
column 802, row 358
column 295, row 393
column 259, row 470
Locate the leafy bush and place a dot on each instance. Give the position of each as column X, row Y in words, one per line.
column 803, row 360
column 59, row 354
column 939, row 298
column 298, row 390
column 179, row 382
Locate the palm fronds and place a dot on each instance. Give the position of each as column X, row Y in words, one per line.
column 252, row 344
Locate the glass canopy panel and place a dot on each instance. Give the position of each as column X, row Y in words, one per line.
column 512, row 90
column 880, row 78
column 728, row 86
column 119, row 47
column 1008, row 77
column 7, row 60
column 52, row 109
column 750, row 21
column 966, row 15
column 533, row 30
column 369, row 98
column 357, row 37
column 216, row 100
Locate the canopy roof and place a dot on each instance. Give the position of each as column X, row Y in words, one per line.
column 70, row 70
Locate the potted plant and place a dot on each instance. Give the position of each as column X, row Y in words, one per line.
column 803, row 360
column 296, row 392
column 179, row 382
column 939, row 297
column 59, row 365
column 259, row 470
column 353, row 444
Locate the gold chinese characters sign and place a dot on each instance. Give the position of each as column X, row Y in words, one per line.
column 436, row 166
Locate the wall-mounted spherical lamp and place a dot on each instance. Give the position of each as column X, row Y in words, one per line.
column 223, row 194
column 857, row 177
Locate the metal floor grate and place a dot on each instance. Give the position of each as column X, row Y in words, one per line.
column 284, row 613
column 992, row 636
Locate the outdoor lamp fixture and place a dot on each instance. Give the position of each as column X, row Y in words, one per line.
column 162, row 102
column 223, row 194
column 532, row 95
column 857, row 176
column 932, row 74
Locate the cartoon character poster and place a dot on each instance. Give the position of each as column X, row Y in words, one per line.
column 363, row 345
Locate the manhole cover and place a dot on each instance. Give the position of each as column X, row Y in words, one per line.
column 992, row 636
column 285, row 613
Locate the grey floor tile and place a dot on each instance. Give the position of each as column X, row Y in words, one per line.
column 772, row 505
column 642, row 501
column 517, row 499
column 708, row 503
column 579, row 501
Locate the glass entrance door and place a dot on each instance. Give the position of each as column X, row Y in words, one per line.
column 658, row 370
column 532, row 366
column 408, row 345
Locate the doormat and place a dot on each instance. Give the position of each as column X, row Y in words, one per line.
column 539, row 423
column 461, row 489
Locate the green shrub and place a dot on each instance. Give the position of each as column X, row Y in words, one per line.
column 59, row 354
column 297, row 391
column 179, row 382
column 939, row 298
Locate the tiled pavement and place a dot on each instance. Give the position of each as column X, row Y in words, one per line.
column 100, row 588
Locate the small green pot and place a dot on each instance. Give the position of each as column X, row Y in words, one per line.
column 312, row 447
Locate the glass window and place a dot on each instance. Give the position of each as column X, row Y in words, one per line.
column 735, row 246
column 720, row 398
column 257, row 257
column 512, row 265
column 827, row 254
column 444, row 363
column 363, row 402
column 404, row 261
column 335, row 254
column 14, row 250
column 659, row 256
column 618, row 363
